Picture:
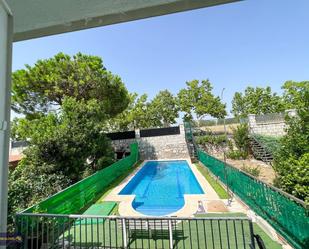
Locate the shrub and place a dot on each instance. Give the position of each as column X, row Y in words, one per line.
column 241, row 137
column 211, row 139
column 252, row 171
column 236, row 154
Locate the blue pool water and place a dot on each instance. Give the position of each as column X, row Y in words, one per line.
column 160, row 186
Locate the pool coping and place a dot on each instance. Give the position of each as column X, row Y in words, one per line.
column 191, row 200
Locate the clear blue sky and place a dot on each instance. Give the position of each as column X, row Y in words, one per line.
column 254, row 42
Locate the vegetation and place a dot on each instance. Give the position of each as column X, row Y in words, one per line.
column 197, row 99
column 65, row 101
column 292, row 159
column 162, row 111
column 256, row 101
column 241, row 140
column 272, row 144
column 134, row 116
column 236, row 155
column 211, row 139
column 43, row 87
column 255, row 171
column 262, row 101
column 294, row 94
column 222, row 193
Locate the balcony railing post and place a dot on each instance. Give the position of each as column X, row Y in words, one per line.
column 124, row 233
column 251, row 235
column 170, row 230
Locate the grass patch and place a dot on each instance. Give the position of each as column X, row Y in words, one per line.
column 222, row 193
column 221, row 215
column 115, row 183
column 269, row 243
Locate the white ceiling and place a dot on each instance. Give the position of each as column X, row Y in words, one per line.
column 36, row 18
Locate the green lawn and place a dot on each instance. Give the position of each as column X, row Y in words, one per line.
column 213, row 182
column 269, row 243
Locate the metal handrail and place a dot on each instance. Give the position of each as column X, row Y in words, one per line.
column 77, row 216
column 70, row 230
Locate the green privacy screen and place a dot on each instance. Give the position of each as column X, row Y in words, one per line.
column 76, row 197
column 287, row 216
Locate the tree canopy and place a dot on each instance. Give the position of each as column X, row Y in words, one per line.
column 292, row 159
column 257, row 100
column 43, row 87
column 295, row 94
column 163, row 109
column 66, row 102
column 198, row 99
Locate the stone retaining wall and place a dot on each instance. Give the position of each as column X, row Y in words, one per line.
column 157, row 147
column 269, row 127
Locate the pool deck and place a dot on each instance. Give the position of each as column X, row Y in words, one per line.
column 210, row 199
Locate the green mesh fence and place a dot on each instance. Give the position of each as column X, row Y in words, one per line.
column 76, row 197
column 287, row 216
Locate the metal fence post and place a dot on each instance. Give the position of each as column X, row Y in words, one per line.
column 124, row 233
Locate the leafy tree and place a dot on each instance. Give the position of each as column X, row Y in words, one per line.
column 163, row 109
column 134, row 117
column 124, row 120
column 294, row 94
column 140, row 114
column 66, row 101
column 43, row 87
column 256, row 101
column 57, row 140
column 292, row 159
column 198, row 99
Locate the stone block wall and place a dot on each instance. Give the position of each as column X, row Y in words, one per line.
column 158, row 147
column 275, row 127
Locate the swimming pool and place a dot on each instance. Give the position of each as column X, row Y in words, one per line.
column 159, row 187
